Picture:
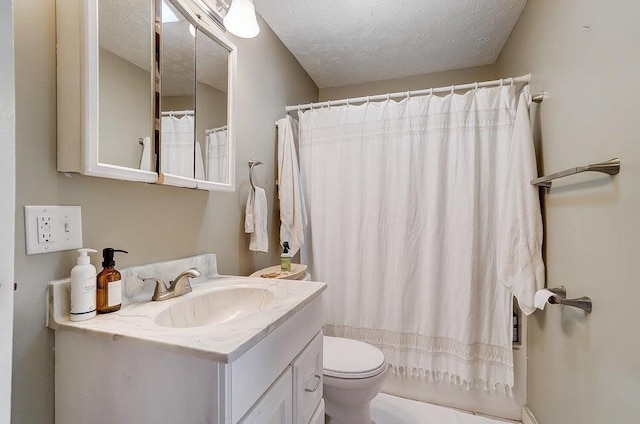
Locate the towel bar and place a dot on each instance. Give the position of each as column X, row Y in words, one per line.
column 611, row 167
column 252, row 163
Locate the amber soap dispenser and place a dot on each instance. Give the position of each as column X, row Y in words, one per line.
column 109, row 284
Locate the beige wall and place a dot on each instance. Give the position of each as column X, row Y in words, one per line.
column 125, row 110
column 586, row 55
column 152, row 222
column 416, row 82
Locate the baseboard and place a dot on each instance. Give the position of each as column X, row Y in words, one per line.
column 527, row 416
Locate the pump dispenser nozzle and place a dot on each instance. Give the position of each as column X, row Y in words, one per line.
column 83, row 258
column 107, row 256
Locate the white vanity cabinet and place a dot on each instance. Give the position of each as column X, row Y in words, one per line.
column 296, row 396
column 119, row 368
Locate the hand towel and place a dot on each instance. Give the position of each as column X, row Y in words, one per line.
column 145, row 160
column 520, row 264
column 293, row 215
column 255, row 221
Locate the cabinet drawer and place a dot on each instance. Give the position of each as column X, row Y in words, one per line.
column 307, row 380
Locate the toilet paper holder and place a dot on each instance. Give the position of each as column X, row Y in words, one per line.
column 560, row 298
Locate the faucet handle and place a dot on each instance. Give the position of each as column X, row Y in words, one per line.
column 161, row 287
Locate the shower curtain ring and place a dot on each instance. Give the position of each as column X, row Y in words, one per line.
column 408, row 95
column 348, row 102
column 431, row 91
column 367, row 100
column 510, row 80
column 475, row 86
column 453, row 88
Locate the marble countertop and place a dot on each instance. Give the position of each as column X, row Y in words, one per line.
column 220, row 342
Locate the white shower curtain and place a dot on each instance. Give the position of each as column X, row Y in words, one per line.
column 411, row 211
column 218, row 157
column 177, row 145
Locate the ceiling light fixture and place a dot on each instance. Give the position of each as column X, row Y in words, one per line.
column 241, row 19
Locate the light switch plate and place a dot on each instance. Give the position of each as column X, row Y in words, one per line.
column 52, row 228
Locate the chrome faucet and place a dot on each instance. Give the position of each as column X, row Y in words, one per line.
column 177, row 287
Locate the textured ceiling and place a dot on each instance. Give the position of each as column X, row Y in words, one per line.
column 125, row 30
column 354, row 41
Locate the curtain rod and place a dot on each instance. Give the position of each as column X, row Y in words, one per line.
column 214, row 130
column 178, row 112
column 405, row 94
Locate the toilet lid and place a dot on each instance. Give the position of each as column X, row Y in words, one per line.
column 347, row 358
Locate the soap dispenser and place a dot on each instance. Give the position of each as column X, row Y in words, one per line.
column 83, row 288
column 109, row 282
column 285, row 258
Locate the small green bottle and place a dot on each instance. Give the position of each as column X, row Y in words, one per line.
column 285, row 258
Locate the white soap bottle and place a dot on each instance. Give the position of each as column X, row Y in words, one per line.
column 83, row 288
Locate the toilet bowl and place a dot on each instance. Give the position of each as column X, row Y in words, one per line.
column 353, row 375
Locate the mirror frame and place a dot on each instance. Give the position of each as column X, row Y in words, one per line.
column 207, row 26
column 83, row 55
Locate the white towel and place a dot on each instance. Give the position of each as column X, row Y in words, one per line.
column 520, row 264
column 255, row 221
column 293, row 214
column 145, row 160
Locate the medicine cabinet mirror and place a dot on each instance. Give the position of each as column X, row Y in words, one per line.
column 197, row 67
column 105, row 87
column 145, row 93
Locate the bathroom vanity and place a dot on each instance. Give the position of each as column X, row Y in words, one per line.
column 234, row 350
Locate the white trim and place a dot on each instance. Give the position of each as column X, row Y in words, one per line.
column 7, row 209
column 527, row 416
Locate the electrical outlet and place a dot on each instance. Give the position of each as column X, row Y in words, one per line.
column 52, row 228
column 44, row 229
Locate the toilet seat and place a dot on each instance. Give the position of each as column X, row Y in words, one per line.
column 351, row 359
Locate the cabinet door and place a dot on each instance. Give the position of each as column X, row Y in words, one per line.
column 307, row 380
column 318, row 416
column 276, row 405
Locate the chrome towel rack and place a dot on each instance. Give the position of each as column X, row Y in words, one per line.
column 560, row 298
column 252, row 163
column 611, row 167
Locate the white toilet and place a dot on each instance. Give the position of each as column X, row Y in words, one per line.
column 353, row 375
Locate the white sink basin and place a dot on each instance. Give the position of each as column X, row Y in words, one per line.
column 214, row 307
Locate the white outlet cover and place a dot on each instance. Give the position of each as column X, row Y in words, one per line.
column 65, row 228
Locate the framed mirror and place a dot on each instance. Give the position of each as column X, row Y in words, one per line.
column 212, row 101
column 178, row 97
column 105, row 53
column 197, row 143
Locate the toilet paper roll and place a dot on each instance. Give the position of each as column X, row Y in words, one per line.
column 541, row 298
